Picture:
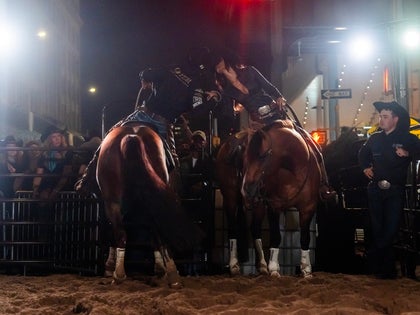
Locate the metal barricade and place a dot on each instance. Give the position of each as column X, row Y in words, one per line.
column 62, row 234
column 408, row 243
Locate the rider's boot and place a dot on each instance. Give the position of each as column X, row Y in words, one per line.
column 87, row 184
column 326, row 192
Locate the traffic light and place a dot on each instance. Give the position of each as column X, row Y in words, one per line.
column 320, row 136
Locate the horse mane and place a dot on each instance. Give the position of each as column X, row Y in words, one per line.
column 254, row 144
column 286, row 123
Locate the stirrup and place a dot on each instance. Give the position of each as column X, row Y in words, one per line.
column 86, row 187
column 327, row 194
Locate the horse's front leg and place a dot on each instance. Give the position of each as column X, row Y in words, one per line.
column 159, row 268
column 258, row 214
column 234, row 267
column 174, row 280
column 305, row 238
column 275, row 239
column 232, row 219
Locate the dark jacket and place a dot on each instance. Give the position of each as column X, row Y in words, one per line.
column 261, row 91
column 379, row 152
column 178, row 90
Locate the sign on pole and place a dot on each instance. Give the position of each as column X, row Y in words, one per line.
column 335, row 93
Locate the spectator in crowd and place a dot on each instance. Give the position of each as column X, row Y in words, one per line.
column 384, row 159
column 196, row 177
column 55, row 161
column 11, row 162
column 30, row 159
column 196, row 166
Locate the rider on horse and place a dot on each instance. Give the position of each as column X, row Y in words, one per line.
column 174, row 91
column 247, row 86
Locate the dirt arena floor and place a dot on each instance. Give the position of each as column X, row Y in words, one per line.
column 325, row 293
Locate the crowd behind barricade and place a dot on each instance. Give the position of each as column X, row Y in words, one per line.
column 45, row 166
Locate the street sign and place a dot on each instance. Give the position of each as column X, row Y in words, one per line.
column 335, row 93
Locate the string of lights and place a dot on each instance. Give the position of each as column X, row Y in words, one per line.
column 305, row 115
column 365, row 92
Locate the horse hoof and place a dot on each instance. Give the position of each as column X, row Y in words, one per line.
column 275, row 274
column 118, row 279
column 235, row 270
column 160, row 271
column 263, row 271
column 176, row 285
column 109, row 273
column 307, row 275
column 174, row 280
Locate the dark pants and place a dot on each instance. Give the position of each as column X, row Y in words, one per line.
column 385, row 208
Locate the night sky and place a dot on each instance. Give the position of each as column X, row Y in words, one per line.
column 120, row 38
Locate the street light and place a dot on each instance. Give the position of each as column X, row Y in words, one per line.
column 411, row 38
column 9, row 40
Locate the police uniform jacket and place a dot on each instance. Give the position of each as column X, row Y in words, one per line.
column 380, row 152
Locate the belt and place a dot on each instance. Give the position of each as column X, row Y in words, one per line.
column 265, row 111
column 382, row 184
column 154, row 116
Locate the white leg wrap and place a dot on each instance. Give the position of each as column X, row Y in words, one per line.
column 160, row 268
column 262, row 264
column 273, row 265
column 119, row 273
column 305, row 264
column 233, row 257
column 110, row 262
column 173, row 278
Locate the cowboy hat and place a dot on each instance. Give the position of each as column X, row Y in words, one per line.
column 398, row 110
column 50, row 130
column 199, row 133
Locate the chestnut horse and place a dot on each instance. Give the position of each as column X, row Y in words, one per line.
column 133, row 176
column 279, row 171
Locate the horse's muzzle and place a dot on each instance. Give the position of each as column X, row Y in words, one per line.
column 251, row 192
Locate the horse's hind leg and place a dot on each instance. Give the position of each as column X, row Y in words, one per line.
column 110, row 262
column 113, row 210
column 305, row 238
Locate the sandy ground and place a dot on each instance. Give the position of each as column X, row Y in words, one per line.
column 325, row 293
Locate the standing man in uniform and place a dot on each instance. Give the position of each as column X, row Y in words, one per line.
column 384, row 159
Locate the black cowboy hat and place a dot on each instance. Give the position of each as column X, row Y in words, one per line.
column 50, row 130
column 11, row 140
column 398, row 110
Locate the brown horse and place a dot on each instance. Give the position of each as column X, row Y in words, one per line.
column 132, row 172
column 279, row 172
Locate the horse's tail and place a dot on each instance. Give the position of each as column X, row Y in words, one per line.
column 146, row 190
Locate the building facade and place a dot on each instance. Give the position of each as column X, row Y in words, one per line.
column 40, row 67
